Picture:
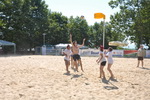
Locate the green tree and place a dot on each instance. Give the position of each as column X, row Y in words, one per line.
column 10, row 15
column 142, row 23
column 78, row 27
column 95, row 34
column 58, row 32
column 36, row 21
column 24, row 22
column 132, row 20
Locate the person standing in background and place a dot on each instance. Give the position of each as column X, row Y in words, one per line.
column 140, row 56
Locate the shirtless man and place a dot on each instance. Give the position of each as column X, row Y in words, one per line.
column 75, row 50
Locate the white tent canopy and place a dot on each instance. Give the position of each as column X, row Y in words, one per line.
column 118, row 43
column 61, row 45
column 7, row 43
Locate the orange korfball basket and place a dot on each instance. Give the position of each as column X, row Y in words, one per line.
column 99, row 15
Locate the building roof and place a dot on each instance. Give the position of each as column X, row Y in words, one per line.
column 6, row 43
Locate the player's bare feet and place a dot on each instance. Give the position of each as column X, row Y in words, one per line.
column 100, row 77
column 82, row 70
column 68, row 72
column 104, row 78
column 112, row 77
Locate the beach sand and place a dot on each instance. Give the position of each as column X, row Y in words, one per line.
column 37, row 77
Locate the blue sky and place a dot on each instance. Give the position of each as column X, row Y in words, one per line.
column 87, row 8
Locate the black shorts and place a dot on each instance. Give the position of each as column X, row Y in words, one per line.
column 140, row 58
column 103, row 63
column 76, row 57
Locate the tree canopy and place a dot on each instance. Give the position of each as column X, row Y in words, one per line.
column 133, row 20
column 25, row 21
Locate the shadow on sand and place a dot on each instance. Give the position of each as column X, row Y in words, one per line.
column 112, row 79
column 145, row 68
column 110, row 85
column 76, row 76
column 68, row 74
column 105, row 81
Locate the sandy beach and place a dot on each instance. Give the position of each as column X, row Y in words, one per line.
column 37, row 77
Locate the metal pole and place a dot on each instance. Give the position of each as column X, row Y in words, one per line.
column 15, row 49
column 104, row 34
column 44, row 38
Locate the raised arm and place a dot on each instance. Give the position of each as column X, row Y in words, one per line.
column 71, row 38
column 82, row 43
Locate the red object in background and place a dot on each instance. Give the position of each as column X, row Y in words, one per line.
column 129, row 51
